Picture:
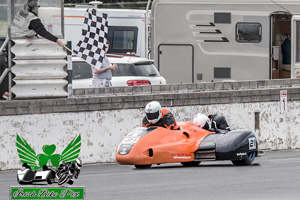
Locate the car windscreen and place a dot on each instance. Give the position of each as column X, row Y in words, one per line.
column 81, row 70
column 135, row 70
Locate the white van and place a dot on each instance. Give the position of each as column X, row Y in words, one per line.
column 126, row 29
column 223, row 40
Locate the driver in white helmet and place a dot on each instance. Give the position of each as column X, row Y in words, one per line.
column 158, row 116
column 216, row 123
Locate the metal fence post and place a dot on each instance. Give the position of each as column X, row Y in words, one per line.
column 69, row 70
column 11, row 5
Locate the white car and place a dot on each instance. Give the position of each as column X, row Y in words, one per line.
column 132, row 71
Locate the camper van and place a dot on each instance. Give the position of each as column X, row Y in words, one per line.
column 126, row 29
column 225, row 40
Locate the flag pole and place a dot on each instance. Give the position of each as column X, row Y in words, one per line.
column 67, row 48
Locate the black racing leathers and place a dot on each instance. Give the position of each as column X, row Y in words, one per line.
column 167, row 120
column 219, row 123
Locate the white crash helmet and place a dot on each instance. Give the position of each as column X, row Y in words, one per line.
column 78, row 163
column 153, row 111
column 202, row 121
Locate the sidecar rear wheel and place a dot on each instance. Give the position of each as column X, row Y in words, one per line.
column 247, row 161
column 142, row 166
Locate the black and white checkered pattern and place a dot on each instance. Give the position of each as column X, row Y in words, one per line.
column 91, row 46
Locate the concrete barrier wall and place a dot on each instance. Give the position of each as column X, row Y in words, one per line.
column 104, row 119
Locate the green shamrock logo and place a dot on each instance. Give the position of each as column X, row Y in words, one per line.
column 45, row 158
column 28, row 155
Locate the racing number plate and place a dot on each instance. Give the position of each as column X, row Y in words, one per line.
column 134, row 136
column 131, row 140
column 252, row 143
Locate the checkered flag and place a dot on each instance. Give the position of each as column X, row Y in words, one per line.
column 91, row 46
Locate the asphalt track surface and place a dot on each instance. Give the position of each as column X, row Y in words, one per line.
column 274, row 176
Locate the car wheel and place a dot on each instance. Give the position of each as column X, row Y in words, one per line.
column 142, row 166
column 191, row 164
column 247, row 161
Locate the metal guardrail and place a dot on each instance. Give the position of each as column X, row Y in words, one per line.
column 3, row 75
column 36, row 49
column 40, row 69
column 4, row 44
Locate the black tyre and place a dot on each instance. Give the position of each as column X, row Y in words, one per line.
column 191, row 164
column 63, row 178
column 247, row 161
column 71, row 181
column 142, row 166
column 22, row 182
column 49, row 181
